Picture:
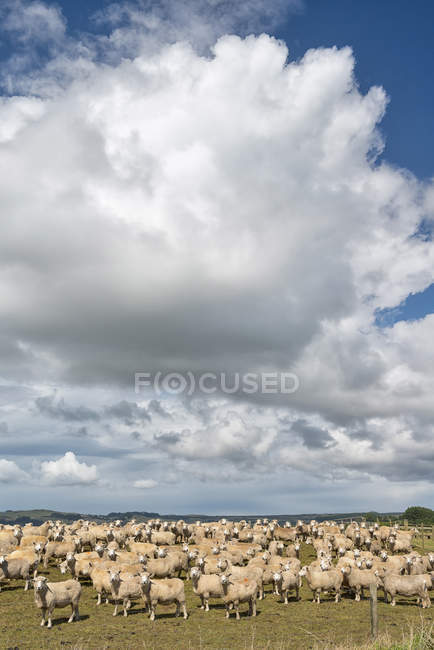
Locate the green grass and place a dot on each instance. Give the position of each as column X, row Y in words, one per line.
column 277, row 627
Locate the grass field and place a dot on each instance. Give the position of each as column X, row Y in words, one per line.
column 277, row 627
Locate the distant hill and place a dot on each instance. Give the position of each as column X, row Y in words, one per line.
column 37, row 517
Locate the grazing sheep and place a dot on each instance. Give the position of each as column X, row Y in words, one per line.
column 126, row 557
column 123, row 588
column 358, row 579
column 144, row 548
column 161, row 567
column 15, row 568
column 160, row 537
column 276, row 548
column 293, row 550
column 206, row 587
column 401, row 544
column 323, row 580
column 60, row 550
column 100, row 577
column 49, row 595
column 394, row 564
column 33, row 539
column 239, row 591
column 406, row 586
column 77, row 566
column 163, row 592
column 286, row 581
column 28, row 554
column 37, row 530
column 253, row 572
column 284, row 534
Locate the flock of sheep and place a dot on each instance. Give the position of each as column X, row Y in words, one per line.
column 224, row 560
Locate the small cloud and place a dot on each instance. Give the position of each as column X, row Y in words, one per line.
column 32, row 21
column 145, row 484
column 60, row 410
column 10, row 472
column 68, row 471
column 128, row 412
column 156, row 407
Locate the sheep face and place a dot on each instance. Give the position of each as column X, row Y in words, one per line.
column 114, row 576
column 277, row 577
column 40, row 583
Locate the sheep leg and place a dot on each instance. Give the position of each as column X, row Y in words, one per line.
column 50, row 624
column 26, row 586
column 98, row 602
column 177, row 608
column 237, row 612
column 125, row 605
column 254, row 607
column 393, row 603
column 71, row 618
column 338, row 596
column 116, row 608
column 286, row 597
column 184, row 609
column 44, row 614
column 357, row 596
column 152, row 617
column 227, row 610
column 202, row 600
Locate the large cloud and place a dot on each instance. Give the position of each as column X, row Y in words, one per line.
column 187, row 209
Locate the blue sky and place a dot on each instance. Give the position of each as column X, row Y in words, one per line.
column 180, row 196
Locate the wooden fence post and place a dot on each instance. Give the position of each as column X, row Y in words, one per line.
column 374, row 610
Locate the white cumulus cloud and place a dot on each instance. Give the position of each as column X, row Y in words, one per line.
column 68, row 471
column 10, row 472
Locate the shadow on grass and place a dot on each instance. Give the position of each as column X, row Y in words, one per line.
column 64, row 619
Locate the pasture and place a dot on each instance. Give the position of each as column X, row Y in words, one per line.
column 277, row 626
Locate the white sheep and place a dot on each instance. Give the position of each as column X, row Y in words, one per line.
column 206, row 587
column 163, row 592
column 285, row 582
column 49, row 595
column 239, row 591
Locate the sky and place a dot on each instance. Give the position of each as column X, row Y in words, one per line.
column 210, row 187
